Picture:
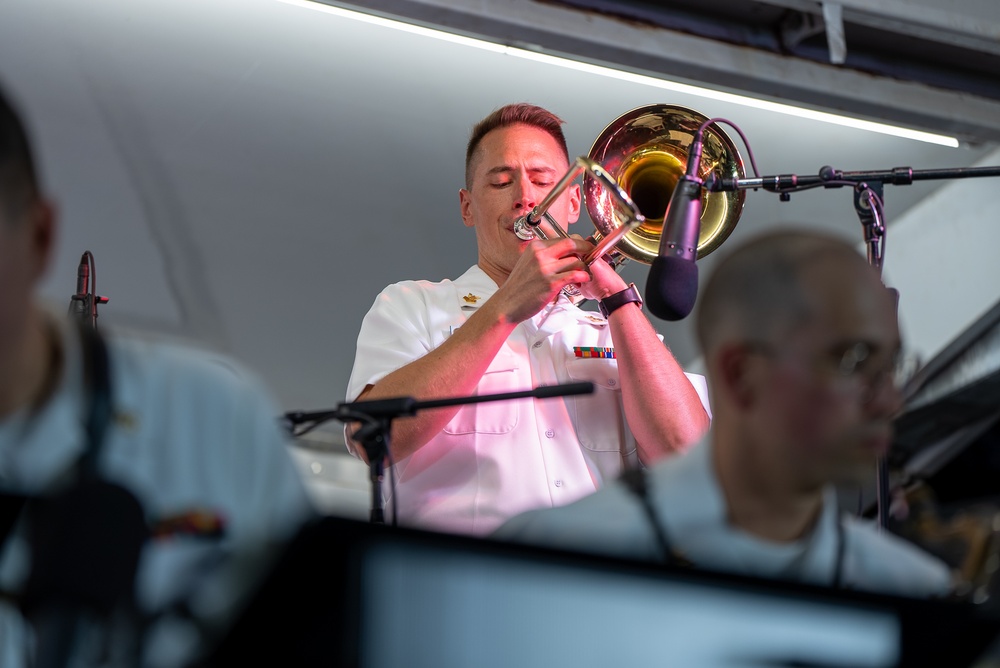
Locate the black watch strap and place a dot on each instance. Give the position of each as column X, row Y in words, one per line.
column 612, row 303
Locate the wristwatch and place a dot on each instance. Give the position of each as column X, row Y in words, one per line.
column 612, row 303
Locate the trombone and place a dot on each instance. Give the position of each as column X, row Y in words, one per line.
column 538, row 223
column 631, row 172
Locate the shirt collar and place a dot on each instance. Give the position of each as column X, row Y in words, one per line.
column 36, row 447
column 690, row 482
column 473, row 288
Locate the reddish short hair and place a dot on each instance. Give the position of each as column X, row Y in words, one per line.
column 520, row 113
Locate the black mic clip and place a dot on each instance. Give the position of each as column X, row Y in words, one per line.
column 828, row 173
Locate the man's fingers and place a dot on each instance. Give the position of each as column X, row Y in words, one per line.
column 570, row 263
column 562, row 247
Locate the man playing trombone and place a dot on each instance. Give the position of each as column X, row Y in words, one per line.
column 507, row 325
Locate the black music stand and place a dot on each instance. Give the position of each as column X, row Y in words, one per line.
column 376, row 424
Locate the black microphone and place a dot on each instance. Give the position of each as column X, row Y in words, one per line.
column 79, row 304
column 672, row 284
column 83, row 304
column 83, row 277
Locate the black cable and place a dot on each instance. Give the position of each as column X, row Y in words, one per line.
column 392, row 486
column 878, row 210
column 636, row 482
column 746, row 144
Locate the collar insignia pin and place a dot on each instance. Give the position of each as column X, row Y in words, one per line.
column 125, row 420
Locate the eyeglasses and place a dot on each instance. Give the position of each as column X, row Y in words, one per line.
column 857, row 363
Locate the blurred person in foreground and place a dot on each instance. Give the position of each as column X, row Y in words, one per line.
column 189, row 434
column 800, row 342
column 506, row 325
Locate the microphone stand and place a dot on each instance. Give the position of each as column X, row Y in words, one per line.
column 377, row 415
column 868, row 188
column 828, row 177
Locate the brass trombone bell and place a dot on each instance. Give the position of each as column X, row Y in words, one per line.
column 645, row 150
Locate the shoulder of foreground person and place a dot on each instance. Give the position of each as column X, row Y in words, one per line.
column 610, row 522
column 196, row 410
column 886, row 563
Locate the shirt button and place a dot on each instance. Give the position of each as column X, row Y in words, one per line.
column 558, row 483
column 549, row 433
column 612, row 382
column 537, row 344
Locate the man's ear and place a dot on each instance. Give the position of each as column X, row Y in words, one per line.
column 42, row 221
column 736, row 374
column 465, row 205
column 574, row 204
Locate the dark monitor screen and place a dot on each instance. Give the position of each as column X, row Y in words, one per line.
column 423, row 605
column 352, row 594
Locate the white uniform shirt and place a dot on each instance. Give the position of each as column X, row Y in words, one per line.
column 494, row 460
column 692, row 509
column 191, row 432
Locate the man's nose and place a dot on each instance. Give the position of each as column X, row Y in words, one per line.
column 884, row 396
column 527, row 197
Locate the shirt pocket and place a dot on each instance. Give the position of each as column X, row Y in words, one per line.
column 599, row 417
column 492, row 417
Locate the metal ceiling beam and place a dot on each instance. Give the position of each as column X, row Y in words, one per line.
column 979, row 31
column 600, row 39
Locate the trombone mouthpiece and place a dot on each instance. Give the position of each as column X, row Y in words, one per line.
column 523, row 229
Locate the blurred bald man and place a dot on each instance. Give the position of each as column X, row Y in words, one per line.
column 801, row 344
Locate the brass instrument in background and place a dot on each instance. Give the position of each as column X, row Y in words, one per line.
column 632, row 170
column 967, row 539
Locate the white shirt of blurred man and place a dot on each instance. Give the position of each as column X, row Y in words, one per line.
column 192, row 435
